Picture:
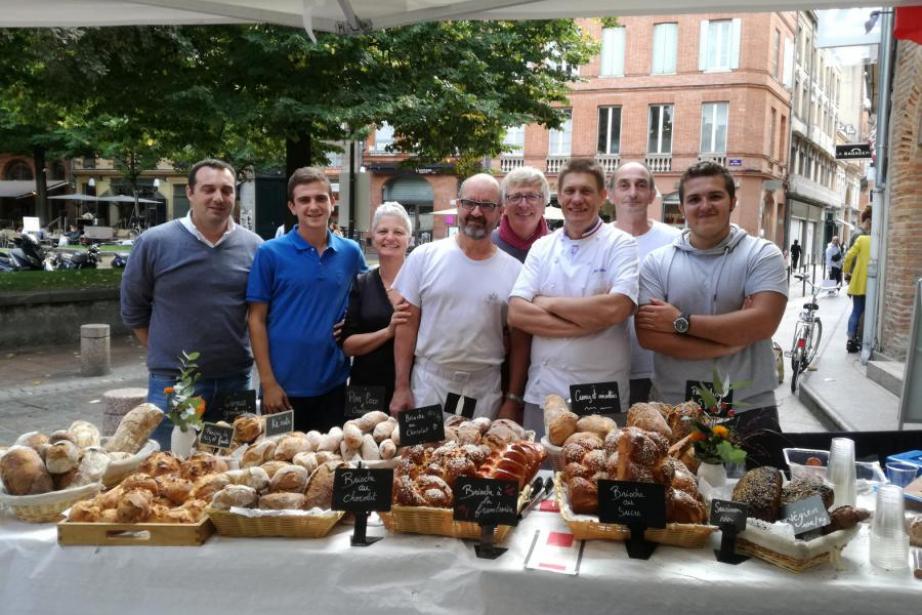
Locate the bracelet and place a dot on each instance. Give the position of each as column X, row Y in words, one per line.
column 515, row 398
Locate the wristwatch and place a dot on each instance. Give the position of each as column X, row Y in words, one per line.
column 682, row 323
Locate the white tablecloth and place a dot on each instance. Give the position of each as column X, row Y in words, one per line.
column 421, row 574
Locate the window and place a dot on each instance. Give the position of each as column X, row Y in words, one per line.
column 714, row 128
column 612, row 52
column 719, row 48
column 660, row 131
column 787, row 70
column 609, row 130
column 775, row 60
column 559, row 139
column 555, row 60
column 180, row 201
column 665, row 36
column 671, row 213
column 384, row 136
column 782, row 140
column 18, row 170
column 772, row 128
column 514, row 140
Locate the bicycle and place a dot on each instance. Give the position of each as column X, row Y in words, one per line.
column 807, row 334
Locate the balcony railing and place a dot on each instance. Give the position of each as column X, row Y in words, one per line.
column 720, row 159
column 608, row 162
column 659, row 163
column 555, row 163
column 508, row 163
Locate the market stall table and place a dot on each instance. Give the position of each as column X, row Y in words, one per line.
column 422, row 574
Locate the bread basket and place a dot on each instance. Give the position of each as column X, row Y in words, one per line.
column 238, row 525
column 47, row 507
column 588, row 527
column 554, row 455
column 758, row 540
column 118, row 470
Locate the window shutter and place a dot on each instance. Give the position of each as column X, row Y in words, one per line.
column 735, row 44
column 703, row 46
column 788, row 70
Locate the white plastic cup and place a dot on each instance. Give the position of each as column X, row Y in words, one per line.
column 889, row 543
column 901, row 474
column 842, row 471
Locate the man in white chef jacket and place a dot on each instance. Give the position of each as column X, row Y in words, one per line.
column 575, row 293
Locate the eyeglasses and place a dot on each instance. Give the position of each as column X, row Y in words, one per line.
column 471, row 204
column 531, row 198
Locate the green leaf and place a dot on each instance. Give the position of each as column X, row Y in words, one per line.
column 730, row 453
column 706, row 396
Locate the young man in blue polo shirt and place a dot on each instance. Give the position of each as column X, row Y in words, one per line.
column 297, row 290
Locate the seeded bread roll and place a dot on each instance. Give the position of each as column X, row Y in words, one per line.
column 805, row 486
column 648, row 417
column 760, row 489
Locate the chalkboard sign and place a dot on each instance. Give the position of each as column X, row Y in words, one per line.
column 282, row 422
column 632, row 503
column 216, row 436
column 595, row 398
column 460, row 405
column 361, row 400
column 806, row 515
column 486, row 501
column 725, row 513
column 232, row 405
column 421, row 425
column 358, row 490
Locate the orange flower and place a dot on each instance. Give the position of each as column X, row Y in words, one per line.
column 168, row 390
column 721, row 432
column 200, row 408
column 698, row 436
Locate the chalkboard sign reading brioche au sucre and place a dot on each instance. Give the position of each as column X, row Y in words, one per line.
column 361, row 400
column 282, row 422
column 421, row 425
column 486, row 501
column 216, row 436
column 595, row 398
column 629, row 503
column 806, row 515
column 232, row 405
column 362, row 489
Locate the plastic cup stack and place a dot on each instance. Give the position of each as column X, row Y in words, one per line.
column 889, row 545
column 842, row 471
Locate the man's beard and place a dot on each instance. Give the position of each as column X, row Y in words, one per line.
column 475, row 231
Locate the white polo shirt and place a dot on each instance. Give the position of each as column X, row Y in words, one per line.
column 557, row 266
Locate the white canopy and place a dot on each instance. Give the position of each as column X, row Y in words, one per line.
column 348, row 16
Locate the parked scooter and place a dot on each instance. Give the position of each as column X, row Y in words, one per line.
column 119, row 261
column 81, row 260
column 28, row 255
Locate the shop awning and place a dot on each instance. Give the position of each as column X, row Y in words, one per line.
column 17, row 189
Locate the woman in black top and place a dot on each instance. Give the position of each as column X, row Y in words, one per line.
column 374, row 312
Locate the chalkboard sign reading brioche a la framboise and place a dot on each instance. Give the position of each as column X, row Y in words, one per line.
column 486, row 501
column 595, row 398
column 421, row 425
column 361, row 400
column 806, row 515
column 232, row 405
column 282, row 422
column 216, row 436
column 629, row 503
column 362, row 489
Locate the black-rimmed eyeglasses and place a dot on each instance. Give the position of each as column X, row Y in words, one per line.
column 471, row 204
column 531, row 198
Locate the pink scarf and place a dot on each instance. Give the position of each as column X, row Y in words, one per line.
column 508, row 235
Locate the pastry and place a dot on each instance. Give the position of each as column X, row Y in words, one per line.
column 387, row 449
column 370, row 420
column 369, row 448
column 23, row 472
column 594, row 423
column 682, row 507
column 160, row 463
column 643, row 447
column 589, row 438
column 201, row 464
column 62, row 456
column 141, row 481
column 291, row 478
column 680, row 418
column 846, row 517
column 234, row 495
column 134, row 506
column 85, row 434
column 174, row 488
column 584, row 496
column 205, row 487
column 85, row 511
column 352, row 435
column 760, row 489
column 648, row 417
column 561, row 427
column 135, row 428
column 383, row 430
column 282, row 501
column 109, row 499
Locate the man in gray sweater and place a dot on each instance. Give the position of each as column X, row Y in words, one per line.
column 184, row 289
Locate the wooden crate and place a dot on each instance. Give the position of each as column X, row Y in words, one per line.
column 135, row 534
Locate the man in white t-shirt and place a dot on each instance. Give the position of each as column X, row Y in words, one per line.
column 632, row 190
column 576, row 291
column 451, row 350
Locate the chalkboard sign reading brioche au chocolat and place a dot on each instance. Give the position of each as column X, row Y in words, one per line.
column 216, row 436
column 595, row 398
column 232, row 405
column 361, row 400
column 362, row 489
column 282, row 422
column 421, row 425
column 486, row 501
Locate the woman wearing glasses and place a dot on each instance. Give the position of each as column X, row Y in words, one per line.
column 524, row 193
column 375, row 310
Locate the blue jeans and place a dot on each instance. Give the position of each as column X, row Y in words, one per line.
column 208, row 388
column 857, row 313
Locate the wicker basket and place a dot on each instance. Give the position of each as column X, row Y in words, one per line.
column 554, row 455
column 47, row 507
column 287, row 526
column 674, row 534
column 118, row 470
column 795, row 556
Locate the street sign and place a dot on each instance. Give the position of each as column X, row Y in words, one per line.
column 853, row 151
column 735, row 162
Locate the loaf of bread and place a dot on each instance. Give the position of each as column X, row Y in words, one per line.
column 805, row 486
column 282, row 501
column 290, row 445
column 23, row 472
column 387, row 449
column 85, row 434
column 760, row 489
column 308, row 461
column 352, row 435
column 594, row 423
column 915, row 532
column 383, row 430
column 234, row 495
column 291, row 478
column 648, row 417
column 135, row 428
column 319, row 492
column 35, row 440
column 62, row 435
column 258, row 454
column 681, row 417
column 247, row 428
column 62, row 456
column 254, row 477
column 845, row 517
column 206, row 486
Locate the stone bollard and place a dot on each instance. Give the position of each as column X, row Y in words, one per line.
column 118, row 403
column 94, row 350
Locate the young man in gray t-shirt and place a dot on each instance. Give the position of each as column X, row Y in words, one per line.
column 713, row 298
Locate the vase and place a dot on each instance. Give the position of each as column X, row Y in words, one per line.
column 714, row 473
column 181, row 442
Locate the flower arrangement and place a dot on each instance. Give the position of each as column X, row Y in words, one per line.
column 186, row 408
column 713, row 440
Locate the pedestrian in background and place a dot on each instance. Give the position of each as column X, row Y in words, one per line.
column 834, row 261
column 795, row 254
column 856, row 272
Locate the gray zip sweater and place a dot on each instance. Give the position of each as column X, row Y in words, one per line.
column 191, row 297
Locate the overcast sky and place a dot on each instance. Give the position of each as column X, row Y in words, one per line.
column 844, row 30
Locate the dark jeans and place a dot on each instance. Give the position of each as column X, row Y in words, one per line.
column 322, row 412
column 835, row 273
column 857, row 313
column 640, row 390
column 208, row 388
